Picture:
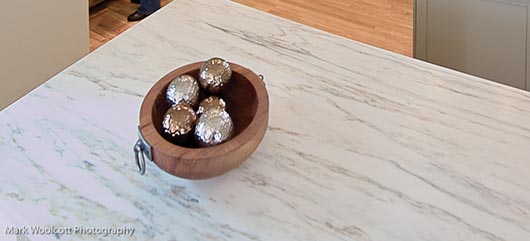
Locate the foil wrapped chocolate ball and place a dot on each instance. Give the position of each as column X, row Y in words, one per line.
column 178, row 123
column 212, row 102
column 214, row 127
column 214, row 75
column 183, row 89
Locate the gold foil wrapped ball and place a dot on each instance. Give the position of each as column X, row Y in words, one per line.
column 212, row 102
column 213, row 127
column 183, row 89
column 215, row 73
column 178, row 122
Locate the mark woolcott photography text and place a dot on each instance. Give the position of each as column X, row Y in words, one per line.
column 75, row 230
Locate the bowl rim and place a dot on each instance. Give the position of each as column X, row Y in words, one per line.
column 147, row 126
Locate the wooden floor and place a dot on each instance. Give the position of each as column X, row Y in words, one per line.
column 109, row 18
column 383, row 23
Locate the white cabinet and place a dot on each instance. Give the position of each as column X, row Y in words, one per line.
column 39, row 39
column 486, row 38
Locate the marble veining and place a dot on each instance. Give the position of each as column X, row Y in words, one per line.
column 362, row 144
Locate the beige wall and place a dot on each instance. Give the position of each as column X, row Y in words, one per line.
column 39, row 39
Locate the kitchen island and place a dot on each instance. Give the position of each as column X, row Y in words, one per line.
column 362, row 144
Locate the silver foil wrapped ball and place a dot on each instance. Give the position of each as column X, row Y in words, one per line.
column 183, row 88
column 215, row 73
column 178, row 122
column 212, row 102
column 213, row 127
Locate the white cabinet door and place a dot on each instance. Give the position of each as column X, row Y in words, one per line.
column 487, row 38
column 39, row 39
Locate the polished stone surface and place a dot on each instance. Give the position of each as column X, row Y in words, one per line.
column 362, row 144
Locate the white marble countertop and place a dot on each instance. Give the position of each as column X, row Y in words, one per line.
column 363, row 144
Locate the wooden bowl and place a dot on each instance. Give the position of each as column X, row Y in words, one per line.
column 248, row 105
